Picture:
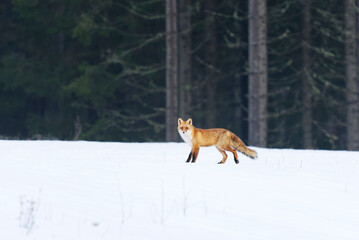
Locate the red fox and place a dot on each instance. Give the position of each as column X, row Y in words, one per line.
column 223, row 139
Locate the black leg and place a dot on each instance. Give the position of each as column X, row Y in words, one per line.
column 195, row 154
column 235, row 159
column 189, row 157
column 194, row 158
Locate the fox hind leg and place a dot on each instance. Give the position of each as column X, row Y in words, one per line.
column 235, row 155
column 223, row 154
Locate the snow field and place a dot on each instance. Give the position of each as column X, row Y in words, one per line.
column 91, row 190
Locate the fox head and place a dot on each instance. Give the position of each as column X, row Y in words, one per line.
column 184, row 126
column 185, row 129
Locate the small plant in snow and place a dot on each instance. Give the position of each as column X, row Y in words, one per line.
column 28, row 210
column 185, row 198
column 160, row 214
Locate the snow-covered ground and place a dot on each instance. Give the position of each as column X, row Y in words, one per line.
column 90, row 190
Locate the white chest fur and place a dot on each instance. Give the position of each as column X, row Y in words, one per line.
column 187, row 137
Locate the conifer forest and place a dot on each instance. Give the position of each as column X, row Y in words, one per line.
column 278, row 73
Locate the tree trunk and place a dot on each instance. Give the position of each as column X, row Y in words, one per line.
column 351, row 76
column 184, row 58
column 77, row 128
column 211, row 60
column 171, row 70
column 238, row 104
column 257, row 86
column 306, row 76
column 239, row 77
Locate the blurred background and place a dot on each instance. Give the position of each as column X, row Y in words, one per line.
column 277, row 73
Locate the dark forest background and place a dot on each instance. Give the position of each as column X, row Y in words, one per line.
column 125, row 70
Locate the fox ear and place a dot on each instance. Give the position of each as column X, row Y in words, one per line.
column 189, row 121
column 180, row 121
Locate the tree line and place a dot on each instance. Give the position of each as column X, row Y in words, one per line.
column 277, row 73
column 295, row 74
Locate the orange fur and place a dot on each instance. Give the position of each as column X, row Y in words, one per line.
column 223, row 139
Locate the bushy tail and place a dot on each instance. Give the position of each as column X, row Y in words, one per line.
column 237, row 144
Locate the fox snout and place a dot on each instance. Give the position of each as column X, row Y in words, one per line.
column 184, row 129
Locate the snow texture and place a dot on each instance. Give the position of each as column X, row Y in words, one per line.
column 90, row 190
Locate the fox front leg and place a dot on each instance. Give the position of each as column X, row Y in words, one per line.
column 189, row 156
column 195, row 154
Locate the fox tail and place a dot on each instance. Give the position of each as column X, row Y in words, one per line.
column 237, row 144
